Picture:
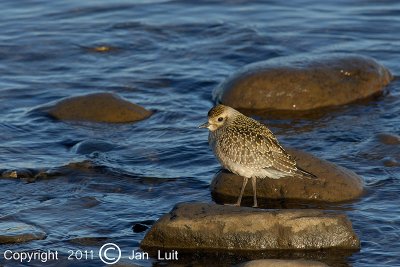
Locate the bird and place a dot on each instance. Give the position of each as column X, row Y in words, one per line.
column 248, row 148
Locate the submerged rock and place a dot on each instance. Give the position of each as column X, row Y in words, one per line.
column 99, row 107
column 32, row 175
column 282, row 263
column 210, row 226
column 333, row 183
column 18, row 232
column 388, row 139
column 384, row 147
column 303, row 83
column 16, row 174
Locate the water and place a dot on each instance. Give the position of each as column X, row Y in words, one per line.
column 168, row 56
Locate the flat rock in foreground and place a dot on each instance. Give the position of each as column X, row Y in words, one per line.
column 210, row 226
column 303, row 83
column 98, row 107
column 333, row 183
column 283, row 263
column 12, row 232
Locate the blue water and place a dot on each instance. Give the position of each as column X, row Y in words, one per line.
column 168, row 56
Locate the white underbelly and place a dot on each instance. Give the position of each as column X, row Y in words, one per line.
column 249, row 171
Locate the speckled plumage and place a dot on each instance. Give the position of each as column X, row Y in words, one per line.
column 248, row 148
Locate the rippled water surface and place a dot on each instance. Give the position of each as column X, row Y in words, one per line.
column 168, row 56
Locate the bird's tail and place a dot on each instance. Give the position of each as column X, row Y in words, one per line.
column 305, row 174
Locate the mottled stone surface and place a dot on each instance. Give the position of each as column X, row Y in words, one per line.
column 282, row 263
column 210, row 226
column 303, row 83
column 98, row 107
column 17, row 232
column 333, row 183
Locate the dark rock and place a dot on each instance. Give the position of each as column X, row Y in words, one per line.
column 142, row 226
column 17, row 232
column 283, row 263
column 210, row 226
column 333, row 183
column 99, row 107
column 32, row 175
column 303, row 83
column 138, row 227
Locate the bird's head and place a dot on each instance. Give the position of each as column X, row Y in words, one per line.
column 219, row 116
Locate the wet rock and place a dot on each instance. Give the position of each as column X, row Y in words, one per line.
column 28, row 175
column 138, row 228
column 303, row 83
column 18, row 232
column 83, row 166
column 16, row 174
column 210, row 226
column 383, row 147
column 99, row 107
column 282, row 263
column 32, row 175
column 333, row 183
column 142, row 226
column 388, row 139
column 390, row 162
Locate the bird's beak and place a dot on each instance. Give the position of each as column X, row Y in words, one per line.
column 204, row 125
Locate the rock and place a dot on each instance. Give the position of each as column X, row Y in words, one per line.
column 142, row 226
column 383, row 147
column 303, row 83
column 210, row 226
column 99, row 107
column 388, row 139
column 28, row 175
column 18, row 232
column 21, row 173
column 32, row 175
column 283, row 263
column 333, row 183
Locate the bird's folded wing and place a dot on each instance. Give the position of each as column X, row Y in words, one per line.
column 272, row 154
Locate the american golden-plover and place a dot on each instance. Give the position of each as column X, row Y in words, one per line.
column 248, row 148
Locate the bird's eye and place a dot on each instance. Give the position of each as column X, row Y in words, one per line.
column 220, row 119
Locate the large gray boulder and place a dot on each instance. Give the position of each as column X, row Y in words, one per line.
column 303, row 83
column 98, row 107
column 333, row 183
column 210, row 226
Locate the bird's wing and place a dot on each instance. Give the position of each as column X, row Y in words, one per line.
column 273, row 154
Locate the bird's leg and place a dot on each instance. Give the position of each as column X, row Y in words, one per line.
column 254, row 183
column 241, row 191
